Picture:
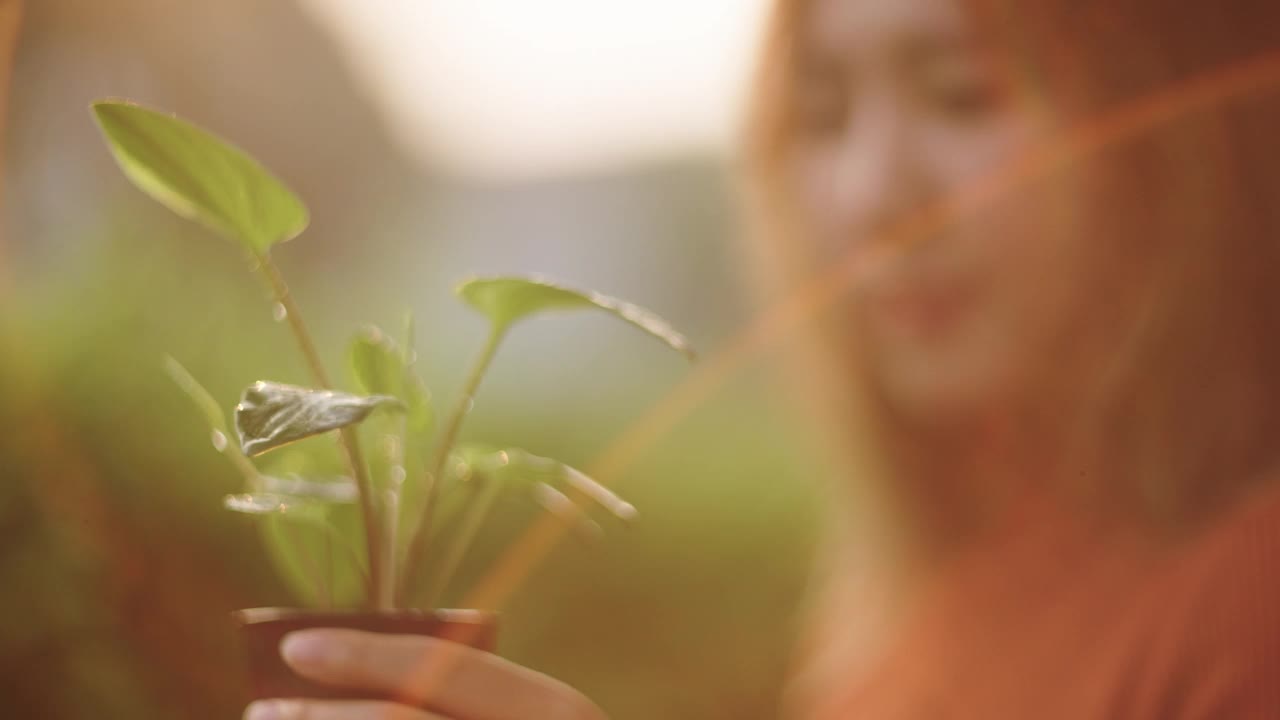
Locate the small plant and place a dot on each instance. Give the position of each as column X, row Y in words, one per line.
column 422, row 497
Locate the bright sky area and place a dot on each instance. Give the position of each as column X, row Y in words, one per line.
column 528, row 88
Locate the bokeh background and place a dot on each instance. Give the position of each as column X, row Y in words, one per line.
column 590, row 140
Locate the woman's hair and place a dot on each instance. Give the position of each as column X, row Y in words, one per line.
column 1182, row 409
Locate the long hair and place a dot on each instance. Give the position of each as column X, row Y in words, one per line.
column 1179, row 414
column 1188, row 403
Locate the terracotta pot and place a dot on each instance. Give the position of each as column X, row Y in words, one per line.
column 264, row 628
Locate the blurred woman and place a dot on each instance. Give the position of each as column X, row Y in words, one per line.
column 1056, row 354
column 1053, row 367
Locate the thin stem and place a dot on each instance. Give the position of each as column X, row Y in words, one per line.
column 449, row 435
column 247, row 469
column 282, row 295
column 469, row 528
column 391, row 499
column 329, row 577
column 253, row 481
column 379, row 594
column 408, row 356
column 376, row 591
column 295, row 538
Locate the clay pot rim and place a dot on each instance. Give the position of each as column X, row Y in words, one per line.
column 259, row 615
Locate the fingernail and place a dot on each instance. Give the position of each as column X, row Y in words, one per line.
column 304, row 648
column 273, row 710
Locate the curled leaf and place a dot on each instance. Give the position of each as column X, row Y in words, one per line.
column 506, row 300
column 200, row 176
column 273, row 414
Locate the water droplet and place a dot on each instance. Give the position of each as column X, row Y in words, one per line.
column 279, row 313
column 503, row 458
column 391, row 445
column 471, row 405
column 219, row 441
column 398, row 475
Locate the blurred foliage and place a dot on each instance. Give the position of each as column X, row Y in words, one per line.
column 129, row 565
column 120, row 565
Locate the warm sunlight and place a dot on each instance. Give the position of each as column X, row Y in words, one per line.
column 508, row 87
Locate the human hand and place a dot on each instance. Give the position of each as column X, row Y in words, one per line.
column 438, row 680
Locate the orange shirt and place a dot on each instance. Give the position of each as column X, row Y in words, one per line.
column 1044, row 629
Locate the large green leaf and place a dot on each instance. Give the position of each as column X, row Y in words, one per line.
column 507, row 300
column 200, row 176
column 273, row 414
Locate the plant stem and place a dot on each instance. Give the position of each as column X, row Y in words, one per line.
column 324, row 594
column 449, row 435
column 469, row 527
column 378, row 595
column 282, row 295
column 391, row 499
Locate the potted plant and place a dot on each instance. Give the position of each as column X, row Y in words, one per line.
column 400, row 519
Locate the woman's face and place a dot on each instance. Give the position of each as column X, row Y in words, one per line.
column 900, row 105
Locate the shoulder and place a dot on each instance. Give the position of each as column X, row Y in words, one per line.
column 1231, row 568
column 1219, row 611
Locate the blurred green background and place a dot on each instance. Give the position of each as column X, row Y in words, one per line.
column 117, row 563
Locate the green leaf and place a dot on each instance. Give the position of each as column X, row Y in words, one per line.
column 273, row 414
column 507, row 300
column 274, row 504
column 379, row 367
column 376, row 363
column 514, row 466
column 200, row 176
column 418, row 399
column 338, row 490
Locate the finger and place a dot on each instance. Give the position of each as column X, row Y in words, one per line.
column 334, row 710
column 447, row 677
